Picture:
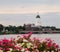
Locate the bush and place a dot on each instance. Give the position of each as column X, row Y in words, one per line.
column 24, row 43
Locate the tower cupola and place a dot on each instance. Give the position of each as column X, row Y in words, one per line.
column 37, row 16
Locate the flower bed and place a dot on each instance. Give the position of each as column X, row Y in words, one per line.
column 24, row 43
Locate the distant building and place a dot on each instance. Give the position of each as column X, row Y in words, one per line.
column 27, row 26
column 38, row 26
column 31, row 27
column 34, row 27
column 38, row 22
column 46, row 28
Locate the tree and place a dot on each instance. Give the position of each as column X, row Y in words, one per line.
column 53, row 28
column 1, row 27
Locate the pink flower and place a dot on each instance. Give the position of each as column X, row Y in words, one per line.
column 7, row 49
column 27, row 36
column 17, row 48
column 29, row 44
column 57, row 46
column 49, row 44
column 26, row 49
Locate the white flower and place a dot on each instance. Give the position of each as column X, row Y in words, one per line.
column 1, row 50
column 29, row 45
column 25, row 40
column 11, row 49
column 22, row 49
column 19, row 45
column 22, row 44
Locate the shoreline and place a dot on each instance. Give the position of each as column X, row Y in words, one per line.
column 27, row 33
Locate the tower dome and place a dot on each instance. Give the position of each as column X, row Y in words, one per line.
column 37, row 16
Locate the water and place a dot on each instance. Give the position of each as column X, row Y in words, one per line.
column 55, row 37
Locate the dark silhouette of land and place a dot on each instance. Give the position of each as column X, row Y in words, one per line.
column 27, row 28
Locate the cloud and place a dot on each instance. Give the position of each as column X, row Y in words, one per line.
column 29, row 6
column 29, row 9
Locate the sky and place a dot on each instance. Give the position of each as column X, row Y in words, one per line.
column 29, row 6
column 18, row 12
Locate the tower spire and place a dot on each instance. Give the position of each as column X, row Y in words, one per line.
column 38, row 20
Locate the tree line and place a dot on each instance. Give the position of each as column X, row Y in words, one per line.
column 16, row 29
column 10, row 29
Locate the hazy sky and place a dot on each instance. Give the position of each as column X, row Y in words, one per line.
column 26, row 11
column 29, row 6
